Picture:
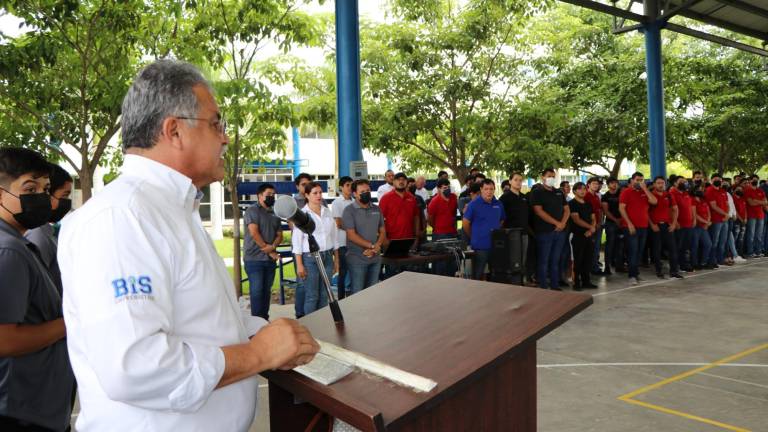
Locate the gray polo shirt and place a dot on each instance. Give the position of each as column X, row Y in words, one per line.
column 269, row 226
column 45, row 240
column 35, row 387
column 366, row 223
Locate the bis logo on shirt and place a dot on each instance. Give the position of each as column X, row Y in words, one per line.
column 133, row 288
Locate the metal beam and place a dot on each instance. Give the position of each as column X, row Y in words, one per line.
column 611, row 10
column 724, row 24
column 655, row 82
column 628, row 29
column 677, row 9
column 746, row 7
column 348, row 105
column 716, row 39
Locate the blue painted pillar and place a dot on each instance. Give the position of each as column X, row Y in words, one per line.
column 655, row 82
column 348, row 84
column 389, row 162
column 296, row 152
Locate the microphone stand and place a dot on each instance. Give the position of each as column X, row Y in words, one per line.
column 314, row 250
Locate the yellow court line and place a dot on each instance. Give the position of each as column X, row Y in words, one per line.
column 629, row 396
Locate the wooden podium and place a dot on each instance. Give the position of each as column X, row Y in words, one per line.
column 477, row 340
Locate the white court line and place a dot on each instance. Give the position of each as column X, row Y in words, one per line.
column 688, row 276
column 569, row 365
column 734, row 380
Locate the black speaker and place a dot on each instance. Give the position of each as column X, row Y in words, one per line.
column 507, row 278
column 507, row 251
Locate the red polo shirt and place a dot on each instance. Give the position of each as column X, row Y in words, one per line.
column 703, row 210
column 720, row 197
column 662, row 211
column 594, row 201
column 754, row 212
column 684, row 203
column 637, row 207
column 444, row 214
column 399, row 213
column 741, row 206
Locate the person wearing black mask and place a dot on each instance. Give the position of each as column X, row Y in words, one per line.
column 36, row 379
column 44, row 236
column 366, row 235
column 262, row 237
column 442, row 217
column 422, row 204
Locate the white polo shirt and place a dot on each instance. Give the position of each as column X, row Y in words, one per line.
column 325, row 232
column 148, row 305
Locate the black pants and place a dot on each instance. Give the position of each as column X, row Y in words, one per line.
column 666, row 239
column 10, row 424
column 583, row 248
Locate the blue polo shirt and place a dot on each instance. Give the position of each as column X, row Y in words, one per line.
column 485, row 217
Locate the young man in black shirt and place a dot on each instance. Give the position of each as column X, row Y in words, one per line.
column 613, row 245
column 551, row 220
column 516, row 210
column 583, row 228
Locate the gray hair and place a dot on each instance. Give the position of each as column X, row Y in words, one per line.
column 160, row 90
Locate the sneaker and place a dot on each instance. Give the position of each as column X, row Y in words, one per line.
column 676, row 275
column 589, row 285
column 739, row 260
column 633, row 281
column 661, row 275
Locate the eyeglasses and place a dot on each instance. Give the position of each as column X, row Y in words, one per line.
column 220, row 125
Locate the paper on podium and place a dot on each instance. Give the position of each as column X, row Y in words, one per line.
column 324, row 369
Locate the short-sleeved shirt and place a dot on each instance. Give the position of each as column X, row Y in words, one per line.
column 594, row 201
column 366, row 221
column 443, row 213
column 36, row 387
column 661, row 212
column 702, row 210
column 269, row 227
column 584, row 210
column 754, row 211
column 684, row 206
column 720, row 197
column 552, row 202
column 484, row 217
column 741, row 206
column 337, row 211
column 637, row 207
column 399, row 214
column 515, row 210
column 44, row 238
column 613, row 203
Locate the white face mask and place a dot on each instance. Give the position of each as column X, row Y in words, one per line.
column 550, row 181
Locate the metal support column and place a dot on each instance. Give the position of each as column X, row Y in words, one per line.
column 348, row 105
column 296, row 152
column 655, row 82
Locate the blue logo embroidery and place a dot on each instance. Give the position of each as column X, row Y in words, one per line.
column 132, row 286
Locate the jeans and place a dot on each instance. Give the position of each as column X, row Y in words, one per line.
column 261, row 275
column 316, row 295
column 341, row 281
column 550, row 247
column 612, row 252
column 565, row 256
column 444, row 268
column 479, row 262
column 700, row 236
column 583, row 254
column 719, row 234
column 731, row 244
column 363, row 276
column 666, row 239
column 635, row 246
column 298, row 303
column 683, row 243
column 753, row 239
column 597, row 239
column 738, row 234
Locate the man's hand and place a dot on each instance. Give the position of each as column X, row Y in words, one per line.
column 284, row 344
column 654, row 228
column 301, row 271
column 671, row 228
column 275, row 256
column 632, row 230
column 267, row 249
column 369, row 253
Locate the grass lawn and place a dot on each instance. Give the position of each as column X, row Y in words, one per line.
column 225, row 249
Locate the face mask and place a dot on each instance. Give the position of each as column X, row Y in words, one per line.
column 699, row 194
column 754, row 183
column 446, row 193
column 65, row 205
column 550, row 181
column 739, row 193
column 35, row 209
column 717, row 183
column 365, row 197
column 412, row 189
column 269, row 200
column 682, row 187
column 636, row 186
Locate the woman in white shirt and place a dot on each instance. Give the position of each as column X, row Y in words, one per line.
column 307, row 268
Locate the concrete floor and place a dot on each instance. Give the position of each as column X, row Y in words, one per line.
column 657, row 340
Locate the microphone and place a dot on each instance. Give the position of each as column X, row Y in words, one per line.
column 285, row 208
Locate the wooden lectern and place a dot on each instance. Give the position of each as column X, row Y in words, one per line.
column 477, row 340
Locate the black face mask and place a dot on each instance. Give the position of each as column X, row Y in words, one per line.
column 754, row 183
column 717, row 183
column 35, row 209
column 682, row 187
column 412, row 189
column 365, row 197
column 446, row 193
column 636, row 186
column 698, row 194
column 269, row 201
column 739, row 193
column 65, row 205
